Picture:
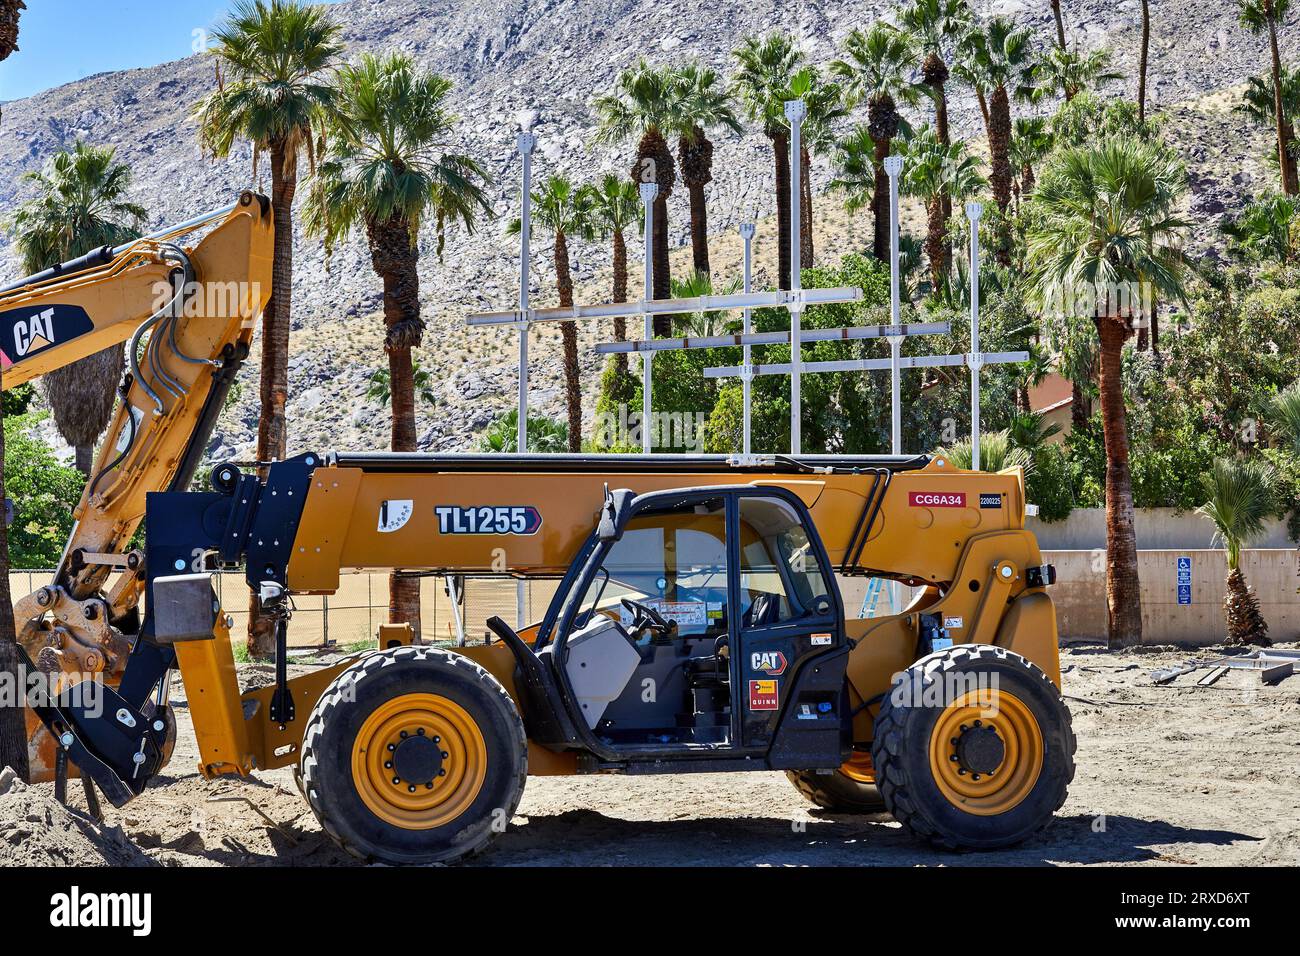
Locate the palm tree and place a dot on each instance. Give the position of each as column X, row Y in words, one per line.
column 877, row 67
column 645, row 105
column 1239, row 497
column 1285, row 414
column 1103, row 235
column 825, row 105
column 1267, row 229
column 933, row 173
column 1143, row 57
column 13, row 727
column 1031, row 141
column 1031, row 431
column 937, row 24
column 380, row 385
column 271, row 59
column 615, row 206
column 80, row 204
column 703, row 104
column 1260, row 104
column 997, row 61
column 565, row 210
column 389, row 168
column 1263, row 16
column 545, row 435
column 1066, row 73
column 764, row 70
column 703, row 324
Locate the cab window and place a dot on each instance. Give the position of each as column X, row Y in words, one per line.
column 673, row 559
column 781, row 578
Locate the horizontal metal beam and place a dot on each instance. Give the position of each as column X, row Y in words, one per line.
column 869, row 365
column 701, row 303
column 777, row 338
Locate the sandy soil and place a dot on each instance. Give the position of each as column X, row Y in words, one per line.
column 1179, row 774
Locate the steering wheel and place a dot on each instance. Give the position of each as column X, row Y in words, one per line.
column 646, row 617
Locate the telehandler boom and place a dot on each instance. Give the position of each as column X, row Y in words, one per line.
column 698, row 626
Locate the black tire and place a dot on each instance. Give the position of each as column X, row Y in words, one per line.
column 901, row 751
column 837, row 792
column 325, row 767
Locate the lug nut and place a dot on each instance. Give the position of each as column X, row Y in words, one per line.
column 445, row 755
column 396, row 781
column 388, row 765
column 391, row 747
column 442, row 772
column 411, row 788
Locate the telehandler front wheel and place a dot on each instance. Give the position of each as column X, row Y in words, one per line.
column 973, row 749
column 849, row 789
column 414, row 755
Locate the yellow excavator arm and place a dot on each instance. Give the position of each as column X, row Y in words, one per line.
column 187, row 315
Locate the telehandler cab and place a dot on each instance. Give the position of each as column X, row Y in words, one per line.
column 698, row 625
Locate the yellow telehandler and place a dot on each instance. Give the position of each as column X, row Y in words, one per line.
column 698, row 625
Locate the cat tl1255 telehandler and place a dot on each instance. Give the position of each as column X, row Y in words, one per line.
column 698, row 624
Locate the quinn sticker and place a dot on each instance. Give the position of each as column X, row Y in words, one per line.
column 764, row 695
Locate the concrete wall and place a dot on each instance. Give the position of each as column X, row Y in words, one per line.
column 1080, row 594
column 1156, row 529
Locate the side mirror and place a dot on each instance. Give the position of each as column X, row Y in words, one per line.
column 614, row 513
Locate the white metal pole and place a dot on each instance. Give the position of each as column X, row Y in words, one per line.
column 526, row 143
column 747, row 369
column 973, row 211
column 894, row 166
column 795, row 111
column 648, row 193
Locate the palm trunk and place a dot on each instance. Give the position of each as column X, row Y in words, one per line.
column 880, row 204
column 695, row 160
column 1142, row 62
column 934, row 73
column 1123, row 593
column 272, row 427
column 663, row 277
column 934, row 240
column 13, row 722
column 1285, row 135
column 85, row 458
column 1060, row 24
column 781, row 156
column 805, row 209
column 1079, row 412
column 1000, row 162
column 620, row 295
column 395, row 259
column 569, row 335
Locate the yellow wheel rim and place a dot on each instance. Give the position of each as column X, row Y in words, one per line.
column 859, row 768
column 1005, row 769
column 439, row 748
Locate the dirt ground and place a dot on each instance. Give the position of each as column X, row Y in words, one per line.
column 1178, row 775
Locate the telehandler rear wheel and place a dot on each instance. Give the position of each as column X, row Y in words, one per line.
column 974, row 749
column 849, row 789
column 414, row 755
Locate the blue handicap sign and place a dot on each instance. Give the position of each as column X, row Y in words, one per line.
column 1184, row 594
column 1184, row 565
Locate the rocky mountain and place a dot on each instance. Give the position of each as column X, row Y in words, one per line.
column 550, row 57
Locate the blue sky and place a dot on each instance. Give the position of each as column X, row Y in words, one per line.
column 65, row 40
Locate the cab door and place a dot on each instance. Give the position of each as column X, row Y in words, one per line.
column 792, row 653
